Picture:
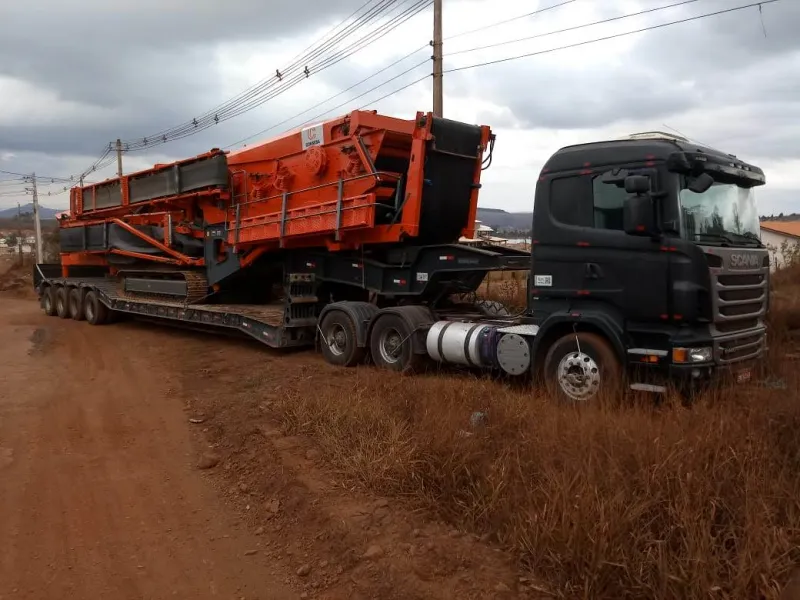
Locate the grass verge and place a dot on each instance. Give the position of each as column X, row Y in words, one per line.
column 609, row 501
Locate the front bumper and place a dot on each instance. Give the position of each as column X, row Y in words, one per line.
column 735, row 359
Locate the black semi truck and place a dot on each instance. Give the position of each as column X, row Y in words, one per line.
column 646, row 269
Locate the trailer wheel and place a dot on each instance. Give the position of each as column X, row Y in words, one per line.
column 62, row 302
column 95, row 311
column 391, row 346
column 581, row 365
column 339, row 344
column 49, row 301
column 76, row 304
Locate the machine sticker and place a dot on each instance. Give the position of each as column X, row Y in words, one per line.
column 543, row 280
column 422, row 277
column 313, row 136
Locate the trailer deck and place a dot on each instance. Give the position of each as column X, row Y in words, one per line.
column 266, row 323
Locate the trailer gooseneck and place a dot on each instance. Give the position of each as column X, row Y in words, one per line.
column 645, row 267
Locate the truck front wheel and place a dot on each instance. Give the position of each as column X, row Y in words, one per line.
column 339, row 343
column 580, row 366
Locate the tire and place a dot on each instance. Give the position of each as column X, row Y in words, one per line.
column 578, row 374
column 339, row 341
column 95, row 312
column 492, row 308
column 49, row 301
column 62, row 302
column 76, row 304
column 391, row 346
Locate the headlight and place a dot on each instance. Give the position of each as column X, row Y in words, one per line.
column 692, row 355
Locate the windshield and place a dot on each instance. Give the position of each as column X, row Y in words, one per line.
column 723, row 213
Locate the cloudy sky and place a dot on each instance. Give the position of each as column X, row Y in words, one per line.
column 76, row 75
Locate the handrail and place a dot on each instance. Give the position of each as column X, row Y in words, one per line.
column 324, row 185
column 278, row 219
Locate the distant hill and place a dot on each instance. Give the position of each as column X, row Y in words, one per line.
column 500, row 220
column 44, row 212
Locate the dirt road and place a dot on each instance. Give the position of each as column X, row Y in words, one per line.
column 98, row 496
column 101, row 494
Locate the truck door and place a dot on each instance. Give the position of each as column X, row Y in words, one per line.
column 582, row 246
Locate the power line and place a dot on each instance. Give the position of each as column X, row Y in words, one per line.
column 526, row 15
column 318, row 68
column 504, row 60
column 343, row 104
column 573, row 28
column 251, row 99
column 247, row 93
column 328, row 43
column 393, row 92
column 611, row 37
column 355, row 85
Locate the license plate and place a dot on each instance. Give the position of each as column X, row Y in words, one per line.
column 743, row 376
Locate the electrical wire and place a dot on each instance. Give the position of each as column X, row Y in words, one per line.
column 416, row 9
column 103, row 161
column 573, row 28
column 247, row 93
column 314, row 118
column 328, row 42
column 255, row 97
column 517, row 18
column 355, row 85
column 343, row 104
column 610, row 37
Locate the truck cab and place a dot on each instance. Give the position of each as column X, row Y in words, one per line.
column 652, row 243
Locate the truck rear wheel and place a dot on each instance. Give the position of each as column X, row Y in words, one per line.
column 339, row 342
column 391, row 345
column 49, row 301
column 580, row 366
column 76, row 304
column 62, row 302
column 95, row 311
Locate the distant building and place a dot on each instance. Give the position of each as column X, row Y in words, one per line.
column 482, row 235
column 783, row 240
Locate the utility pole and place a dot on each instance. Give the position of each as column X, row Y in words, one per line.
column 19, row 232
column 438, row 91
column 119, row 157
column 36, row 222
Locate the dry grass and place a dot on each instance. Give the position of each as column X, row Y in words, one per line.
column 622, row 501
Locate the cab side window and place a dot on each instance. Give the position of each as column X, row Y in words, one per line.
column 570, row 200
column 592, row 201
column 608, row 199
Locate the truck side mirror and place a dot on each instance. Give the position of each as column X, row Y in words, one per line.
column 637, row 184
column 701, row 183
column 638, row 212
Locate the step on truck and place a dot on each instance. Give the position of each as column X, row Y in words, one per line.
column 645, row 267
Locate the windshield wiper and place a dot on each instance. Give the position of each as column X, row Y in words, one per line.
column 728, row 237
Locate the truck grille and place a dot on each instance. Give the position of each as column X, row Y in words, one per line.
column 741, row 300
column 740, row 304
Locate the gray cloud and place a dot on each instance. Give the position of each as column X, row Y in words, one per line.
column 141, row 67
